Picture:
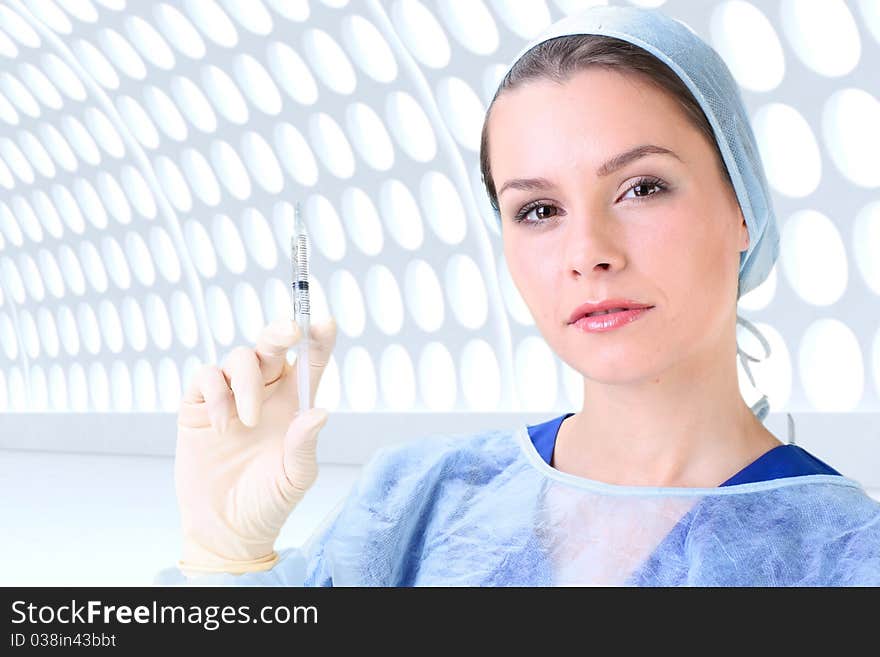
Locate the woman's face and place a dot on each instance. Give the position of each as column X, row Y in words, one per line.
column 663, row 229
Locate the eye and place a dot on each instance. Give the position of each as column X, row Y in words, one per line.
column 542, row 211
column 644, row 187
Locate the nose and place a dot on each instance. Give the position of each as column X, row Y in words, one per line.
column 592, row 244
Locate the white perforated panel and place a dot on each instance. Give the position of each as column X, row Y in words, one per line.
column 150, row 154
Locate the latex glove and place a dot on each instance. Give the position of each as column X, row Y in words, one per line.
column 245, row 456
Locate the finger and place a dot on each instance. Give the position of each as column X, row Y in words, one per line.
column 242, row 369
column 321, row 343
column 300, row 452
column 272, row 345
column 209, row 386
column 322, row 339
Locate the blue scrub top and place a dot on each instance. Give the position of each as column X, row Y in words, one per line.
column 779, row 462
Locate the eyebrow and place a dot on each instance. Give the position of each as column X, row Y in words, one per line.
column 605, row 169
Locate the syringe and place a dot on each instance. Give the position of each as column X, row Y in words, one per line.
column 299, row 258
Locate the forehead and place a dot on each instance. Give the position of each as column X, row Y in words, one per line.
column 594, row 114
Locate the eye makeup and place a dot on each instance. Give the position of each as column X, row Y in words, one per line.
column 641, row 182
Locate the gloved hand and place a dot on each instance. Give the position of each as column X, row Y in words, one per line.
column 245, row 456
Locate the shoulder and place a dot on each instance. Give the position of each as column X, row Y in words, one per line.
column 857, row 543
column 382, row 521
column 819, row 530
column 431, row 457
column 832, row 506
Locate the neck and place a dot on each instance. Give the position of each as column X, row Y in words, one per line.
column 687, row 426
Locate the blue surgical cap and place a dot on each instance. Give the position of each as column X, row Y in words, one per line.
column 712, row 85
column 709, row 80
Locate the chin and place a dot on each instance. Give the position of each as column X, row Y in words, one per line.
column 616, row 375
column 614, row 365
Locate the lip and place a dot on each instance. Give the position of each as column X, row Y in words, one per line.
column 589, row 307
column 611, row 321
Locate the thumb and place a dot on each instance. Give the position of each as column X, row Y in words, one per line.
column 300, row 448
column 304, row 428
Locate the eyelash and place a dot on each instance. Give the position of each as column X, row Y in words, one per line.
column 652, row 181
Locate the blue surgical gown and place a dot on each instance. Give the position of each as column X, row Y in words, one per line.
column 781, row 461
column 485, row 509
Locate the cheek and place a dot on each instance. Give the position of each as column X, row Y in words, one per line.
column 689, row 259
column 531, row 275
column 657, row 246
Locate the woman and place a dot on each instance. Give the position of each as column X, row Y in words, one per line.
column 619, row 159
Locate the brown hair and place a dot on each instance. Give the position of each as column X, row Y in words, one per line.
column 558, row 58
